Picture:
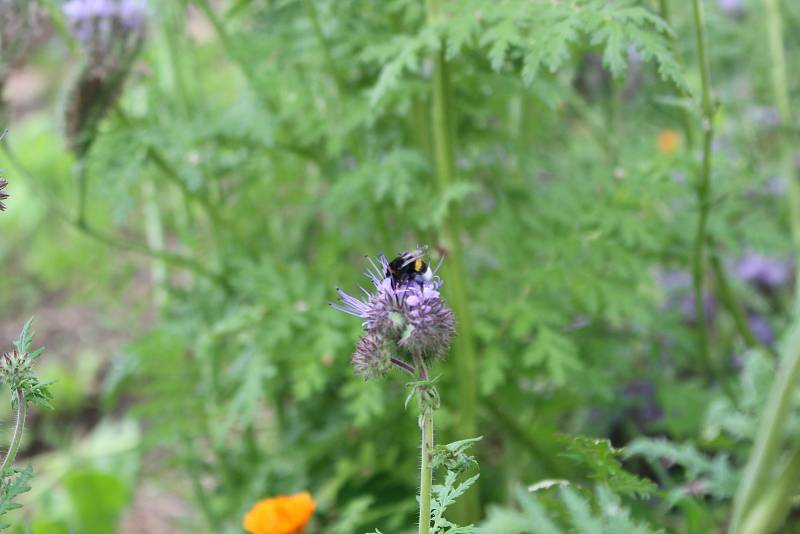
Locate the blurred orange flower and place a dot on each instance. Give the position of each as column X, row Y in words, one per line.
column 668, row 141
column 285, row 514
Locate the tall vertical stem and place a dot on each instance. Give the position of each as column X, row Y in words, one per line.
column 756, row 510
column 770, row 433
column 703, row 189
column 426, row 429
column 444, row 155
column 154, row 233
column 780, row 90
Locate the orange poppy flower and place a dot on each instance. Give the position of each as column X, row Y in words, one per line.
column 285, row 514
column 668, row 141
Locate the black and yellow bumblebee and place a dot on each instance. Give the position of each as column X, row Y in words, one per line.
column 409, row 266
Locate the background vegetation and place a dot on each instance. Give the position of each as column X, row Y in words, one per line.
column 611, row 183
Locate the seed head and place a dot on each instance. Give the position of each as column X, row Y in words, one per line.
column 372, row 357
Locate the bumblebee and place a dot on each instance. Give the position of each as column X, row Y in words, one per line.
column 409, row 266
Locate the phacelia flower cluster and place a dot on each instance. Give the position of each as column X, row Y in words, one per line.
column 106, row 28
column 111, row 33
column 284, row 514
column 402, row 317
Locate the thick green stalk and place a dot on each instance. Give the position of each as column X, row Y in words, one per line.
column 444, row 155
column 756, row 510
column 780, row 90
column 770, row 434
column 16, row 436
column 703, row 190
column 769, row 512
column 663, row 8
column 154, row 233
column 426, row 430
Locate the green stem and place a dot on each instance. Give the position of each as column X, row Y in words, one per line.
column 703, row 190
column 687, row 121
column 730, row 302
column 663, row 9
column 16, row 437
column 770, row 433
column 426, row 428
column 154, row 233
column 769, row 512
column 82, row 183
column 468, row 508
column 781, row 94
column 757, row 510
column 200, row 495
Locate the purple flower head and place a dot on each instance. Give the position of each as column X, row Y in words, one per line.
column 733, row 8
column 645, row 408
column 401, row 317
column 687, row 307
column 763, row 271
column 429, row 322
column 101, row 25
column 761, row 329
column 372, row 357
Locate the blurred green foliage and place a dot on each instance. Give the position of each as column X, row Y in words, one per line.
column 260, row 149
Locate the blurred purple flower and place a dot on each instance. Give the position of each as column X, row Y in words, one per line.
column 761, row 328
column 733, row 8
column 101, row 24
column 677, row 287
column 709, row 307
column 646, row 408
column 672, row 280
column 766, row 116
column 763, row 271
column 407, row 317
column 776, row 186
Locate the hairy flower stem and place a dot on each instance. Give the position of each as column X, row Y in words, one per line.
column 703, row 191
column 467, row 510
column 19, row 426
column 426, row 428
